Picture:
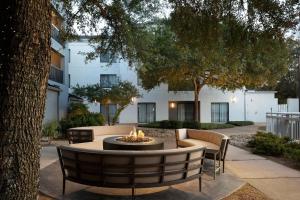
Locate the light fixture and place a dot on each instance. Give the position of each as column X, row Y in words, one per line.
column 233, row 99
column 133, row 99
column 172, row 105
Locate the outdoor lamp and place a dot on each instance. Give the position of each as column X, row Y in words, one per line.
column 233, row 99
column 172, row 105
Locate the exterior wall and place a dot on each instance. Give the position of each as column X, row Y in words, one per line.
column 62, row 88
column 257, row 103
column 293, row 104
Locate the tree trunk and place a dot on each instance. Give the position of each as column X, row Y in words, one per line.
column 197, row 88
column 117, row 114
column 24, row 69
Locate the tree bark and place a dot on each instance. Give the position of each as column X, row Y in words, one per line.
column 197, row 88
column 24, row 70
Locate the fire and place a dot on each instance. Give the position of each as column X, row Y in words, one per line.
column 135, row 136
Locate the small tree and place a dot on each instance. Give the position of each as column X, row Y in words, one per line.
column 120, row 94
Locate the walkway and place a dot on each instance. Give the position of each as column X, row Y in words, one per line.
column 275, row 180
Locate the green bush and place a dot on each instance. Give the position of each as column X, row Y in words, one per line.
column 151, row 125
column 191, row 124
column 173, row 124
column 50, row 130
column 268, row 144
column 292, row 151
column 241, row 123
column 90, row 119
column 170, row 124
column 209, row 126
column 76, row 109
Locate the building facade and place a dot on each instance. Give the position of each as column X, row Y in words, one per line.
column 58, row 82
column 161, row 104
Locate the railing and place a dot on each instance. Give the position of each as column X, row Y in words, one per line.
column 284, row 124
column 56, row 75
column 55, row 34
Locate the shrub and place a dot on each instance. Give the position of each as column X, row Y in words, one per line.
column 191, row 124
column 76, row 109
column 170, row 124
column 90, row 119
column 209, row 126
column 241, row 123
column 150, row 125
column 50, row 130
column 173, row 124
column 268, row 144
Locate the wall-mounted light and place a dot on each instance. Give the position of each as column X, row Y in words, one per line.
column 233, row 99
column 172, row 105
column 133, row 99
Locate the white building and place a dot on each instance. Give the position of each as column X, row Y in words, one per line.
column 58, row 83
column 161, row 104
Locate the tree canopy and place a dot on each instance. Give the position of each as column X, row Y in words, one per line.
column 114, row 26
column 224, row 44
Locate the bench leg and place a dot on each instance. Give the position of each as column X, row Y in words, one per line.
column 223, row 165
column 215, row 166
column 200, row 184
column 219, row 167
column 64, row 185
column 133, row 193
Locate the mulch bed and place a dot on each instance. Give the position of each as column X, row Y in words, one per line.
column 247, row 192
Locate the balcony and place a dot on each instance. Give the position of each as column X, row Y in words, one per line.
column 56, row 75
column 55, row 34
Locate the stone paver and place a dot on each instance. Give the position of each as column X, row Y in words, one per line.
column 238, row 154
column 275, row 180
column 48, row 156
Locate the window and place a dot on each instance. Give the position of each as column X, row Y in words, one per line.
column 219, row 112
column 105, row 58
column 146, row 112
column 57, row 60
column 108, row 111
column 181, row 111
column 108, row 80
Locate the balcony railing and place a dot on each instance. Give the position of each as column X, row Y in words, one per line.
column 284, row 124
column 56, row 75
column 55, row 34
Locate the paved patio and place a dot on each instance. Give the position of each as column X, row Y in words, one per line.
column 51, row 184
column 273, row 179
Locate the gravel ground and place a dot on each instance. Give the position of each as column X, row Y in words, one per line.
column 247, row 192
column 240, row 140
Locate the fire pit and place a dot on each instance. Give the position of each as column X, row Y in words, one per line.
column 132, row 142
column 134, row 137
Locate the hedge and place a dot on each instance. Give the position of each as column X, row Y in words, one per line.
column 241, row 123
column 173, row 124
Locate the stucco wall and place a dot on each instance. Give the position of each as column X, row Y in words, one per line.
column 257, row 103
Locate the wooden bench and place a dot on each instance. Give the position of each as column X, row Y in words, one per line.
column 130, row 169
column 92, row 133
column 216, row 144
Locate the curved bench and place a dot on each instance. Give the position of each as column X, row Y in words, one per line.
column 216, row 143
column 96, row 133
column 130, row 169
